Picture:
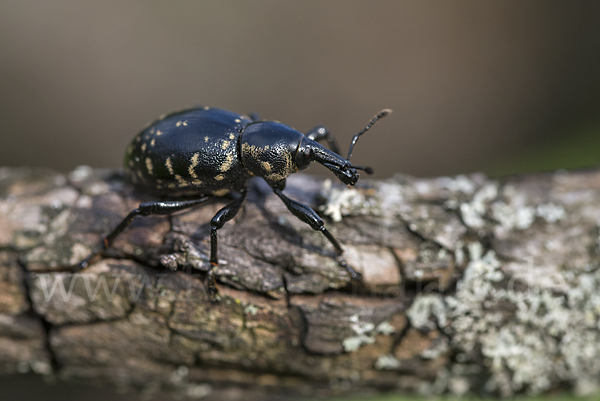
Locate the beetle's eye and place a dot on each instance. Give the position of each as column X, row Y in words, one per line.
column 304, row 157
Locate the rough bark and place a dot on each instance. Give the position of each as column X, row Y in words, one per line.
column 470, row 285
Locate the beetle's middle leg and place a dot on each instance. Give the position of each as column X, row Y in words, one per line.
column 310, row 217
column 224, row 215
column 320, row 133
column 145, row 209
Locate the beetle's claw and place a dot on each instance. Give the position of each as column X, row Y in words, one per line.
column 213, row 290
column 84, row 263
column 356, row 276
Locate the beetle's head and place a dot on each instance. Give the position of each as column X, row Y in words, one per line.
column 309, row 151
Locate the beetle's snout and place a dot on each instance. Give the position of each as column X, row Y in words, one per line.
column 344, row 173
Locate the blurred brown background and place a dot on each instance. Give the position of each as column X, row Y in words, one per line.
column 472, row 84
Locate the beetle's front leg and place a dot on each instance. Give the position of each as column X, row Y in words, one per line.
column 224, row 215
column 320, row 133
column 310, row 217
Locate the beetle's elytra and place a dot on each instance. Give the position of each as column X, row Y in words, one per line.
column 189, row 156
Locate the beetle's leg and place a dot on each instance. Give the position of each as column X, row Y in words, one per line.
column 310, row 217
column 224, row 215
column 145, row 209
column 319, row 133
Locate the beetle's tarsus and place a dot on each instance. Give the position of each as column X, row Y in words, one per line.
column 211, row 284
column 354, row 275
column 85, row 263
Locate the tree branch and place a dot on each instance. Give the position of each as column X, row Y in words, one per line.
column 470, row 284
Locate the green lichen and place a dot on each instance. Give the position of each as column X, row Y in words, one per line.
column 473, row 212
column 344, row 202
column 535, row 340
column 365, row 333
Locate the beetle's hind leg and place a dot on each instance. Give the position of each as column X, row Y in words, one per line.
column 218, row 221
column 145, row 209
column 310, row 217
column 320, row 133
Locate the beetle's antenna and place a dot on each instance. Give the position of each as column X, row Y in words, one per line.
column 366, row 169
column 378, row 117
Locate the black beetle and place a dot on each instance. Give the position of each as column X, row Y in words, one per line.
column 203, row 152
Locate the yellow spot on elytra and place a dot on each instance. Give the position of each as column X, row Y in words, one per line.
column 231, row 136
column 221, row 192
column 143, row 147
column 227, row 163
column 225, row 145
column 205, row 139
column 196, row 182
column 149, row 165
column 169, row 165
column 193, row 165
column 237, row 120
column 159, row 133
column 267, row 166
column 220, row 177
column 181, row 182
column 153, row 142
column 181, row 123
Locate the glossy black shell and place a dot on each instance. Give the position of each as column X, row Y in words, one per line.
column 190, row 152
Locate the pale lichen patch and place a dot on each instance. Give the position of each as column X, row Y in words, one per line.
column 344, row 202
column 364, row 333
column 423, row 308
column 551, row 212
column 512, row 217
column 473, row 212
column 461, row 183
column 387, row 362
